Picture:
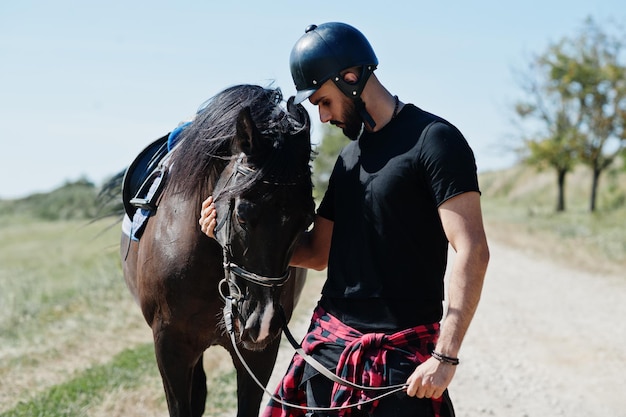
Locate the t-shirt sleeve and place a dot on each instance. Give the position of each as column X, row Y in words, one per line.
column 448, row 162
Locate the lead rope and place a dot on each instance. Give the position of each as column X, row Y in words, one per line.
column 325, row 371
column 228, row 318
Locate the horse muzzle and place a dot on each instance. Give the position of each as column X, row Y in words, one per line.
column 252, row 320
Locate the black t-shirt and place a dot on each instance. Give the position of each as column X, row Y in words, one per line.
column 389, row 251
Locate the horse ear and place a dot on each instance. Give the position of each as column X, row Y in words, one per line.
column 247, row 132
column 298, row 112
column 291, row 107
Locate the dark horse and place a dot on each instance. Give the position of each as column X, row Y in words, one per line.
column 253, row 157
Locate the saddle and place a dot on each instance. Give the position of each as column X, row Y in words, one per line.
column 144, row 180
column 143, row 174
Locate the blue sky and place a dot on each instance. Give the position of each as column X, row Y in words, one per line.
column 85, row 85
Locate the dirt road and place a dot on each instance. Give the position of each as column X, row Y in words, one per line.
column 547, row 340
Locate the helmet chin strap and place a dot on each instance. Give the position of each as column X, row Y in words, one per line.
column 365, row 116
column 354, row 90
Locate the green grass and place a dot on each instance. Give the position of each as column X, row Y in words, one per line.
column 73, row 397
column 63, row 295
column 53, row 270
column 222, row 394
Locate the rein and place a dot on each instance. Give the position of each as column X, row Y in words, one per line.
column 233, row 296
column 228, row 319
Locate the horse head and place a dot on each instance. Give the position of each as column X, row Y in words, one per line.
column 264, row 203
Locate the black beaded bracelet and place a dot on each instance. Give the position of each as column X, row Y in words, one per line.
column 445, row 359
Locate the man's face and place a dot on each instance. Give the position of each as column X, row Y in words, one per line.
column 337, row 109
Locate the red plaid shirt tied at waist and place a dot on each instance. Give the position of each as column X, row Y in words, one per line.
column 362, row 362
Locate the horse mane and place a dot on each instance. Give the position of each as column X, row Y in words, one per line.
column 204, row 147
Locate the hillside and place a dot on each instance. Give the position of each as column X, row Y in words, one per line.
column 519, row 208
column 518, row 205
column 76, row 200
column 524, row 185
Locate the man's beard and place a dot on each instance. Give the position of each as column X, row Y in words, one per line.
column 352, row 122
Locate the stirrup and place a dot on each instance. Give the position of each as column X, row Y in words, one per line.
column 148, row 194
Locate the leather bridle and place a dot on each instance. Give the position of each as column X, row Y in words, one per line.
column 234, row 297
column 231, row 269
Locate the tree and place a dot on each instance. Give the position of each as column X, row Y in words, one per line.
column 577, row 98
column 333, row 140
column 558, row 153
column 589, row 73
column 550, row 126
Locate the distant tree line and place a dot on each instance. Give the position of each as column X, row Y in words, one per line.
column 75, row 200
column 575, row 106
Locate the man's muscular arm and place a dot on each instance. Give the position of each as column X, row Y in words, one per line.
column 462, row 222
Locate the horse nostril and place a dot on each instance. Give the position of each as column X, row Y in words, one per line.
column 258, row 325
column 250, row 334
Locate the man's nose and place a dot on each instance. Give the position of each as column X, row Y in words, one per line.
column 324, row 115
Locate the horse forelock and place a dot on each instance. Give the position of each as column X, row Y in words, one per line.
column 204, row 149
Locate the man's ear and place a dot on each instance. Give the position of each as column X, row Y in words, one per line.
column 350, row 77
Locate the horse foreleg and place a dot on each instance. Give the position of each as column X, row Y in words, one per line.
column 198, row 389
column 177, row 362
column 249, row 394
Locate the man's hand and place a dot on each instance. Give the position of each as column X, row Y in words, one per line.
column 430, row 379
column 207, row 217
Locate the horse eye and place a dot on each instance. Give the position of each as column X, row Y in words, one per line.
column 241, row 219
column 244, row 213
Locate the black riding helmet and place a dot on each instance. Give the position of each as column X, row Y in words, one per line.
column 326, row 50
